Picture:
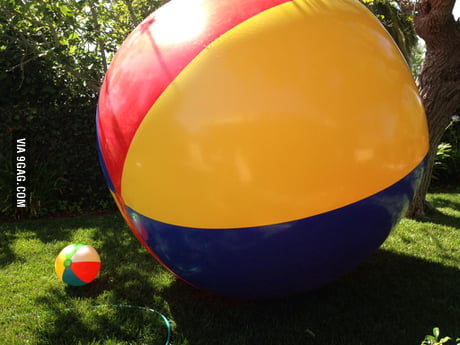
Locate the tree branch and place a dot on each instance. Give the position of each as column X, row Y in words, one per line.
column 438, row 81
column 131, row 12
column 46, row 48
column 434, row 21
column 92, row 84
column 100, row 41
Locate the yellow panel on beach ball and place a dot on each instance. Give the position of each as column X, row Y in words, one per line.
column 305, row 108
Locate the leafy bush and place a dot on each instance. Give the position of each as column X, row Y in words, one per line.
column 446, row 169
column 435, row 339
column 57, row 119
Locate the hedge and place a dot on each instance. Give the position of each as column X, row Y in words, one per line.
column 61, row 169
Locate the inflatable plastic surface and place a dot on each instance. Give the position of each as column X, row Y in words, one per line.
column 77, row 264
column 261, row 148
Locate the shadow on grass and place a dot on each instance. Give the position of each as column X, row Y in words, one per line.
column 98, row 312
column 86, row 323
column 440, row 201
column 7, row 255
column 48, row 231
column 443, row 219
column 390, row 299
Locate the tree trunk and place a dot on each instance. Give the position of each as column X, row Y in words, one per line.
column 438, row 81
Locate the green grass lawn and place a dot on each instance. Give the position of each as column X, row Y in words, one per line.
column 395, row 297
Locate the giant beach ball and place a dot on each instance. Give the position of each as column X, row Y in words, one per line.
column 261, row 148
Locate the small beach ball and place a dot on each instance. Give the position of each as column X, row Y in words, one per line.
column 77, row 264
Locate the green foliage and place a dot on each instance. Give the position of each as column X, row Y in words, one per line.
column 446, row 169
column 435, row 339
column 418, row 55
column 62, row 171
column 78, row 38
column 53, row 55
column 63, row 174
column 398, row 21
column 443, row 153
